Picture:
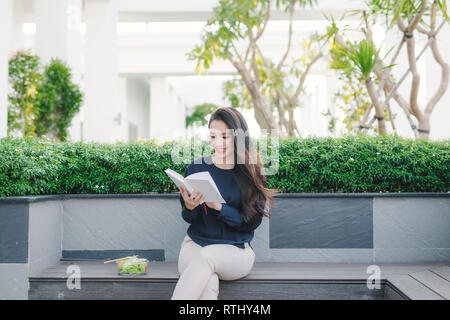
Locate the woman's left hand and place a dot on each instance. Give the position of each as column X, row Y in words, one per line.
column 214, row 205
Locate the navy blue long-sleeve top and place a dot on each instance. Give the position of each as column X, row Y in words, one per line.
column 226, row 226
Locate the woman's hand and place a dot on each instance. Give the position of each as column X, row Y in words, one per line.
column 214, row 205
column 193, row 200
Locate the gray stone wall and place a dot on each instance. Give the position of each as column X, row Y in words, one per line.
column 305, row 228
column 411, row 229
column 13, row 250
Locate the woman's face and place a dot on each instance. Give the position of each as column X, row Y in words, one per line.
column 221, row 139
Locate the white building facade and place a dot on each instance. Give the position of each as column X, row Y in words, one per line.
column 129, row 58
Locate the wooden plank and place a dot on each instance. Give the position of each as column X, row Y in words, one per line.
column 260, row 271
column 227, row 291
column 443, row 271
column 298, row 291
column 413, row 289
column 434, row 282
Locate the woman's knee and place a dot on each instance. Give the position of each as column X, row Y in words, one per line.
column 206, row 255
column 230, row 263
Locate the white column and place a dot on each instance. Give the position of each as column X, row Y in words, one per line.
column 101, row 76
column 122, row 110
column 181, row 113
column 58, row 35
column 164, row 115
column 58, row 31
column 5, row 14
column 159, row 93
column 16, row 39
column 331, row 104
column 74, row 52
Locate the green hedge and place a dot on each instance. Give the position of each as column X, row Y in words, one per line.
column 33, row 166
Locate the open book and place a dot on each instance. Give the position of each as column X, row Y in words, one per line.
column 201, row 181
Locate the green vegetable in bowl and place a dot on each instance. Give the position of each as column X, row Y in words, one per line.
column 132, row 266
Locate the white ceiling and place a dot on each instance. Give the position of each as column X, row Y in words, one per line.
column 200, row 10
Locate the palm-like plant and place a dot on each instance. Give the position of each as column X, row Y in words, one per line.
column 361, row 57
column 364, row 57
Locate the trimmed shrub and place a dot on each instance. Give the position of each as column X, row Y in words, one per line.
column 36, row 166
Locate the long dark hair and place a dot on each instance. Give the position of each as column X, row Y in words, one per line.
column 256, row 198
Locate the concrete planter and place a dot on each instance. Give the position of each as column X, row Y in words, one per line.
column 37, row 231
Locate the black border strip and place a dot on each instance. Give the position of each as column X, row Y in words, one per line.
column 38, row 198
column 149, row 254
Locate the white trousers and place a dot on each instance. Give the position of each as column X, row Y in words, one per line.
column 200, row 268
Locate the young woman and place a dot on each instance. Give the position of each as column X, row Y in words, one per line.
column 217, row 244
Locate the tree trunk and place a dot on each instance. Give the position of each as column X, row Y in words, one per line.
column 263, row 115
column 378, row 110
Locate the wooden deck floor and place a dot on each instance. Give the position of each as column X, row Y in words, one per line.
column 413, row 281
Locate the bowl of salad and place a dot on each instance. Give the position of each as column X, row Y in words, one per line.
column 132, row 266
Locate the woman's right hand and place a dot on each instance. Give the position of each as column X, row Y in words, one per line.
column 193, row 200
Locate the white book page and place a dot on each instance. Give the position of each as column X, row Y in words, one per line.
column 203, row 182
column 204, row 175
column 179, row 180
